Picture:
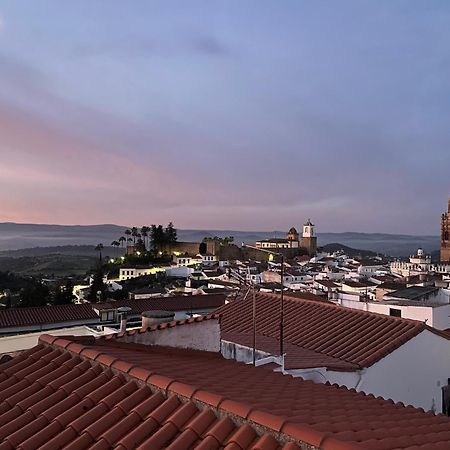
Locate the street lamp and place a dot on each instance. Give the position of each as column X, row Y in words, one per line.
column 270, row 252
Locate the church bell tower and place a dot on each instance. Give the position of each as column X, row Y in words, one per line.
column 309, row 240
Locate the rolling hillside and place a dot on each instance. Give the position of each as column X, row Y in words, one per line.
column 23, row 236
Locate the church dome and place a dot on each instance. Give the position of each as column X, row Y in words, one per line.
column 292, row 231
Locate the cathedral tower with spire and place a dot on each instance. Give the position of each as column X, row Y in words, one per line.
column 445, row 235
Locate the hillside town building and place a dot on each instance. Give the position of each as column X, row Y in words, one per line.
column 419, row 264
column 307, row 242
column 323, row 342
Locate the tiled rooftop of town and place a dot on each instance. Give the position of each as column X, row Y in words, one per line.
column 62, row 314
column 45, row 314
column 173, row 303
column 342, row 338
column 52, row 398
column 107, row 393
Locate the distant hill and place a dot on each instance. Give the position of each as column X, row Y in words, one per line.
column 72, row 250
column 48, row 265
column 352, row 252
column 15, row 236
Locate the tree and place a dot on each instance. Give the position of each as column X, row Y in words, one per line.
column 117, row 245
column 134, row 233
column 140, row 245
column 97, row 292
column 63, row 294
column 99, row 248
column 153, row 237
column 35, row 294
column 144, row 232
column 170, row 234
column 122, row 239
column 128, row 236
column 157, row 237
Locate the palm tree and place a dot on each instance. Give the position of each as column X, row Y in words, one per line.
column 99, row 248
column 122, row 239
column 144, row 232
column 117, row 245
column 134, row 233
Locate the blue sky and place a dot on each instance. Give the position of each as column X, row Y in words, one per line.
column 231, row 114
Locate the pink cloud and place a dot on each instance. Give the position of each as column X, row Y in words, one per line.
column 50, row 175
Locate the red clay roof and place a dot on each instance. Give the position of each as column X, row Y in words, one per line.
column 51, row 397
column 306, row 296
column 21, row 317
column 17, row 317
column 357, row 338
column 174, row 303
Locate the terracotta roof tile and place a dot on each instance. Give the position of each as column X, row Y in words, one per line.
column 303, row 409
column 173, row 303
column 329, row 335
column 17, row 317
column 116, row 410
column 60, row 314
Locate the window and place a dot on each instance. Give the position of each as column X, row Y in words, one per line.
column 395, row 312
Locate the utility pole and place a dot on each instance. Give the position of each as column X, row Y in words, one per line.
column 281, row 255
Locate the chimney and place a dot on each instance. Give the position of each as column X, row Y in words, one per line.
column 151, row 318
column 122, row 313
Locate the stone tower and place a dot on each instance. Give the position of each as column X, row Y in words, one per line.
column 445, row 235
column 309, row 240
column 293, row 237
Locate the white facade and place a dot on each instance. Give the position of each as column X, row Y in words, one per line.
column 277, row 243
column 418, row 264
column 179, row 271
column 19, row 342
column 401, row 375
column 308, row 229
column 185, row 260
column 126, row 273
column 376, row 269
column 434, row 316
column 208, row 259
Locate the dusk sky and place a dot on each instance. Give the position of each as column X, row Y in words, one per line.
column 250, row 115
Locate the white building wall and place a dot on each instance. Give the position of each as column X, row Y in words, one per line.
column 420, row 313
column 412, row 374
column 182, row 272
column 441, row 317
column 322, row 375
column 437, row 317
column 204, row 335
column 10, row 344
